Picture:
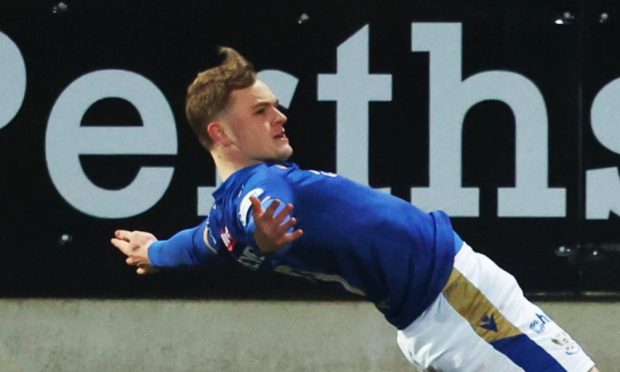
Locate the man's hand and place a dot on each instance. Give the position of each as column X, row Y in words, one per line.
column 272, row 232
column 135, row 245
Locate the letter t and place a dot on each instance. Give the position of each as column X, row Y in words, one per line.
column 352, row 87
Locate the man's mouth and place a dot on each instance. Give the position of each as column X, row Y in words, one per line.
column 281, row 136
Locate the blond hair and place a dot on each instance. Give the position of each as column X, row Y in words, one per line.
column 209, row 93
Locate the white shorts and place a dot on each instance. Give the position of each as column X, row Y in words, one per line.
column 482, row 322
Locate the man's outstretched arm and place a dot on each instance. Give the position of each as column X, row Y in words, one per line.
column 186, row 248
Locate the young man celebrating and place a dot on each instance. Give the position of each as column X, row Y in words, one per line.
column 454, row 309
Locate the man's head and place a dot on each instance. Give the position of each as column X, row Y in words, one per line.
column 209, row 95
column 235, row 115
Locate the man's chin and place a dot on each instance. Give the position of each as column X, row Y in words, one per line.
column 280, row 158
column 286, row 153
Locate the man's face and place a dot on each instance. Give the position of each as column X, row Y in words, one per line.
column 255, row 126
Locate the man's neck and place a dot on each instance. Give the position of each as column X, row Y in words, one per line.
column 226, row 167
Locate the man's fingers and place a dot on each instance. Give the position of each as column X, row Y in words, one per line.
column 122, row 245
column 255, row 203
column 295, row 235
column 284, row 213
column 122, row 234
column 135, row 261
column 285, row 226
column 257, row 207
column 272, row 208
column 291, row 237
column 142, row 270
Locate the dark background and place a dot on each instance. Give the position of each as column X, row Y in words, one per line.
column 169, row 42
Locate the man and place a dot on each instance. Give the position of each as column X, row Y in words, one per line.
column 454, row 309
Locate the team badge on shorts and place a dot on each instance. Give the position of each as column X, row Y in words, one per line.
column 567, row 343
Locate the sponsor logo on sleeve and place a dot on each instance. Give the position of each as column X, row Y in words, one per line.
column 229, row 241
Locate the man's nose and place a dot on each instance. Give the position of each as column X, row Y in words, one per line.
column 280, row 117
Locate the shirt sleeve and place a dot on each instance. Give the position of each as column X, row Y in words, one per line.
column 187, row 248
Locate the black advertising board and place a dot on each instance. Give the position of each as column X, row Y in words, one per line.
column 500, row 113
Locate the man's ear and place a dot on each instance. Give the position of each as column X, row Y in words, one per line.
column 215, row 130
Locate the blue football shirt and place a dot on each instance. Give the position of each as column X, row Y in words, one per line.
column 363, row 240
